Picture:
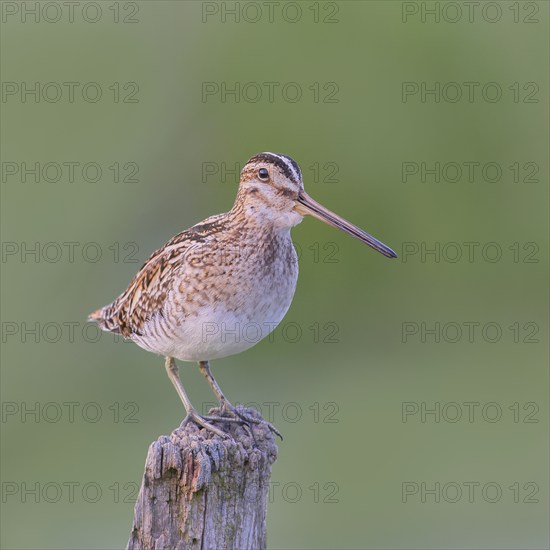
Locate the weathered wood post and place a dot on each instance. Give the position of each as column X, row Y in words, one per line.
column 201, row 492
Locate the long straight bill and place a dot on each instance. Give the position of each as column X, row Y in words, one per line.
column 306, row 205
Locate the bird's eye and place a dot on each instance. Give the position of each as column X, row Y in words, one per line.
column 263, row 174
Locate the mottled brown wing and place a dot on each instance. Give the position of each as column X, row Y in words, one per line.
column 148, row 290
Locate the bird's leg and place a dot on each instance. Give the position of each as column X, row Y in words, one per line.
column 226, row 406
column 205, row 369
column 173, row 374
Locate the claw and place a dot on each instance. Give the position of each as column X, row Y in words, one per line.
column 202, row 421
column 248, row 420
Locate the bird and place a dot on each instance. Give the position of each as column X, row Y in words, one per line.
column 197, row 298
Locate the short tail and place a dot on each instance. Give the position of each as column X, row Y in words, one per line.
column 96, row 316
column 103, row 318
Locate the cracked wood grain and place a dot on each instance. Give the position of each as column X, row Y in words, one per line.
column 201, row 492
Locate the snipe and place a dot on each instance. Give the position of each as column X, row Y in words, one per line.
column 195, row 297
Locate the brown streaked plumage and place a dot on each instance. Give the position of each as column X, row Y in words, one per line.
column 147, row 292
column 197, row 297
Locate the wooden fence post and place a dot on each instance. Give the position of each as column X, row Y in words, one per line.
column 201, row 492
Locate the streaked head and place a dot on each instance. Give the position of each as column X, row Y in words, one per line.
column 271, row 188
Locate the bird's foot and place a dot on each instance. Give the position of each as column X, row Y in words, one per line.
column 240, row 415
column 194, row 416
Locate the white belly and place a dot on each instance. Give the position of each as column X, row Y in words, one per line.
column 214, row 330
column 214, row 334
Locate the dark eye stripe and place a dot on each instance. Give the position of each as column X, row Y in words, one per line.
column 287, row 192
column 283, row 165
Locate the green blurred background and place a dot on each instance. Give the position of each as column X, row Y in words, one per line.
column 340, row 385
